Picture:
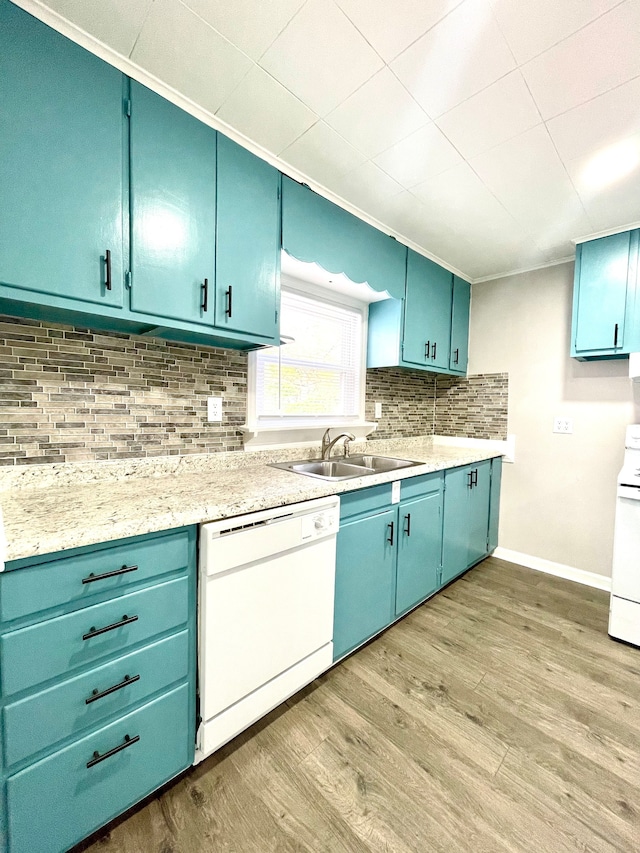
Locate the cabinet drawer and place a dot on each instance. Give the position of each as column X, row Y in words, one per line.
column 425, row 484
column 53, row 648
column 56, row 802
column 72, row 579
column 365, row 501
column 89, row 700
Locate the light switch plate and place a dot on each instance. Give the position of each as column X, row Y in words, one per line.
column 214, row 408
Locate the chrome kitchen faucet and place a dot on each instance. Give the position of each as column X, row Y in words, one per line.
column 327, row 443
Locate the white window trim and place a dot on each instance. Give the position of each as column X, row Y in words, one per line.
column 262, row 437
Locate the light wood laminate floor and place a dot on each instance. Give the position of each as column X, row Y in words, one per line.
column 497, row 717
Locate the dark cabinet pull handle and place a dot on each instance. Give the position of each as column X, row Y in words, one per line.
column 128, row 679
column 107, row 260
column 456, row 353
column 229, row 296
column 97, row 758
column 470, row 476
column 407, row 529
column 433, row 350
column 474, row 477
column 91, row 578
column 427, row 347
column 615, row 335
column 390, row 536
column 94, row 632
column 205, row 294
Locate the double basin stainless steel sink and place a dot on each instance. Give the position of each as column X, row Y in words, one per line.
column 345, row 468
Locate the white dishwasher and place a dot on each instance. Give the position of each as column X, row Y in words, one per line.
column 265, row 613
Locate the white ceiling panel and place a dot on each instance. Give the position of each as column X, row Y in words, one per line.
column 391, row 27
column 612, row 205
column 457, row 58
column 266, row 112
column 421, row 155
column 601, row 122
column 500, row 112
column 323, row 154
column 321, row 57
column 532, row 26
column 207, row 72
column 378, row 114
column 367, row 187
column 249, row 25
column 519, row 164
column 116, row 23
column 594, row 60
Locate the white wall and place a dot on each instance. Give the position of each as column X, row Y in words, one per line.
column 558, row 499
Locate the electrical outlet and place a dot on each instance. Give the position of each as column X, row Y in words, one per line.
column 377, row 406
column 563, row 425
column 214, row 408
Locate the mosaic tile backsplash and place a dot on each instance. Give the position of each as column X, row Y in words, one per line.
column 474, row 406
column 68, row 394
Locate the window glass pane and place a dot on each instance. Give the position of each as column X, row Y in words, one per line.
column 317, row 375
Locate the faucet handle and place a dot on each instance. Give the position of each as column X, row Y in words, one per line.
column 349, row 437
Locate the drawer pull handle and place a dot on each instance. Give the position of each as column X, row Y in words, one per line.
column 95, row 632
column 390, row 526
column 229, row 297
column 407, row 529
column 97, row 758
column 427, row 347
column 456, row 353
column 128, row 679
column 615, row 335
column 205, row 295
column 433, row 350
column 107, row 261
column 123, row 571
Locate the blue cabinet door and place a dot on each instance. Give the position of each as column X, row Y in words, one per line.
column 419, row 549
column 62, row 166
column 479, row 511
column 459, row 351
column 173, row 210
column 427, row 313
column 365, row 580
column 455, row 542
column 604, row 290
column 247, row 290
column 494, row 503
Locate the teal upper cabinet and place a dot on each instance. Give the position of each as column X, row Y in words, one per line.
column 604, row 297
column 62, row 168
column 315, row 230
column 459, row 350
column 429, row 329
column 173, row 210
column 427, row 313
column 247, row 288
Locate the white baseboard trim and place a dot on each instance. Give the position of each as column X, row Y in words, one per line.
column 558, row 569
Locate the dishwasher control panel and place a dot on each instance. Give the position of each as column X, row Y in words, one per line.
column 323, row 522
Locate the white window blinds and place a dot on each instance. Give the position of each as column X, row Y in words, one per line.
column 317, row 376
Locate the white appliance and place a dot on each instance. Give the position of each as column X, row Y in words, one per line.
column 624, row 613
column 266, row 591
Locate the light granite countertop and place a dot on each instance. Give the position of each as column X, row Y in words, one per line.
column 65, row 506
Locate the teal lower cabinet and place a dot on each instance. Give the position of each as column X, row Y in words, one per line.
column 419, row 541
column 469, row 494
column 98, row 693
column 388, row 557
column 365, row 568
